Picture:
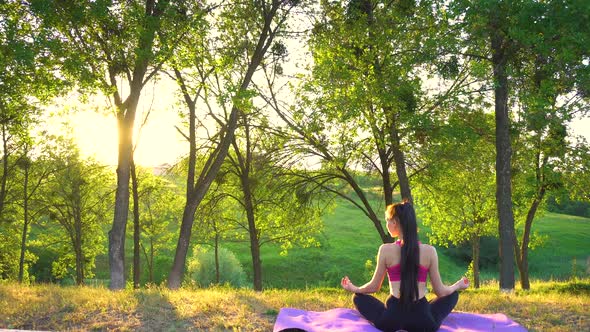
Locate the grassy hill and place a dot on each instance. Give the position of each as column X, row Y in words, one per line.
column 349, row 239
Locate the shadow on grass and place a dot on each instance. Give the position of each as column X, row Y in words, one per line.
column 156, row 313
column 261, row 309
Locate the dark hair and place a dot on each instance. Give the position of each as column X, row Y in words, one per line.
column 408, row 289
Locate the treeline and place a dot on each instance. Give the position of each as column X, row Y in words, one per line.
column 566, row 205
column 462, row 107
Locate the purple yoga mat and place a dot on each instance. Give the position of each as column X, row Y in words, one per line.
column 350, row 320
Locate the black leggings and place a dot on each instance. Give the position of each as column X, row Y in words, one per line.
column 421, row 316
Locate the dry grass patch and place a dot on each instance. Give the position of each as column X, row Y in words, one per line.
column 549, row 306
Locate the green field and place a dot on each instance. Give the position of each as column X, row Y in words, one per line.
column 349, row 240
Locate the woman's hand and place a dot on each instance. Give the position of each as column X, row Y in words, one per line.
column 346, row 284
column 463, row 283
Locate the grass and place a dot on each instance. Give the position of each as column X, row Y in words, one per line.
column 555, row 306
column 567, row 244
column 350, row 239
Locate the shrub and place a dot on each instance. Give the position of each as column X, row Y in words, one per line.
column 488, row 253
column 201, row 268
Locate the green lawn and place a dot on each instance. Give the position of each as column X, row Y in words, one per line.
column 568, row 240
column 350, row 239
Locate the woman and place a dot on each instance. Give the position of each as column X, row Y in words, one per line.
column 407, row 263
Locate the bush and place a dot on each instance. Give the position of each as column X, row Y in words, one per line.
column 563, row 204
column 488, row 253
column 201, row 268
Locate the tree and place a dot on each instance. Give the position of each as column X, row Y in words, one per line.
column 456, row 197
column 511, row 36
column 363, row 105
column 550, row 86
column 27, row 79
column 36, row 172
column 159, row 204
column 489, row 36
column 107, row 41
column 78, row 200
column 277, row 208
column 243, row 47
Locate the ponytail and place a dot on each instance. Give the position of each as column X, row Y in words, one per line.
column 410, row 255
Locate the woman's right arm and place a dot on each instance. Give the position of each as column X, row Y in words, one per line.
column 438, row 287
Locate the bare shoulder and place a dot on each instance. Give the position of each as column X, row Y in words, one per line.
column 388, row 247
column 427, row 249
column 389, row 251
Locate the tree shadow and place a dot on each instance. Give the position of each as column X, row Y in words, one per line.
column 156, row 313
column 262, row 310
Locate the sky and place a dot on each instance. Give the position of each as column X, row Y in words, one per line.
column 94, row 126
column 160, row 142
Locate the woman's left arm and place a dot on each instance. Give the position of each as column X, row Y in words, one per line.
column 375, row 284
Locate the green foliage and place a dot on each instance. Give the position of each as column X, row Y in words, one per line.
column 369, row 269
column 201, row 268
column 99, row 41
column 76, row 204
column 9, row 251
column 160, row 210
column 565, row 205
column 462, row 253
column 577, row 170
column 28, row 76
column 456, row 197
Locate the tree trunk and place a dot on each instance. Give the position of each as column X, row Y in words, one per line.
column 244, row 165
column 213, row 163
column 385, row 177
column 78, row 251
column 503, row 162
column 176, row 274
column 23, row 248
column 400, row 164
column 117, row 233
column 136, row 229
column 253, row 232
column 125, row 121
column 4, row 178
column 77, row 216
column 216, row 258
column 23, row 244
column 151, row 267
column 475, row 246
column 524, row 252
column 149, row 260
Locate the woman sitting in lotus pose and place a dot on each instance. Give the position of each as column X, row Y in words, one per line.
column 407, row 263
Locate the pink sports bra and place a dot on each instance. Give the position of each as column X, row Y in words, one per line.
column 394, row 272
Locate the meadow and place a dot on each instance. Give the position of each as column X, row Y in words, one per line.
column 349, row 240
column 559, row 299
column 548, row 306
